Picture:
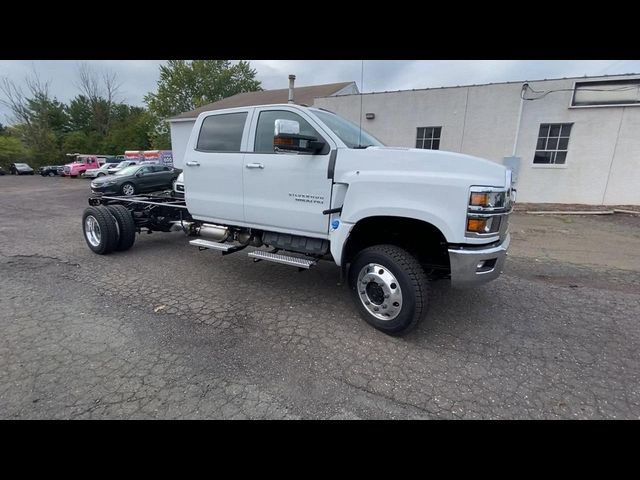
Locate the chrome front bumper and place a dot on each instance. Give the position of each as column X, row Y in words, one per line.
column 466, row 268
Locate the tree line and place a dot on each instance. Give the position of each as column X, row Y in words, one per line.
column 44, row 129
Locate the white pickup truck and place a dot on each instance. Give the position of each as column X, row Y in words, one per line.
column 299, row 185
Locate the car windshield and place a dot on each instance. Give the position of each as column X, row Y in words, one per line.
column 128, row 170
column 121, row 165
column 350, row 133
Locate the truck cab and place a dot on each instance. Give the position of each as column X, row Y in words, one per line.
column 81, row 164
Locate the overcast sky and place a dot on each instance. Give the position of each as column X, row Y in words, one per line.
column 140, row 76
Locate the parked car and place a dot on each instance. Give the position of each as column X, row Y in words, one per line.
column 20, row 169
column 2, row 172
column 51, row 170
column 115, row 168
column 178, row 186
column 136, row 179
column 98, row 172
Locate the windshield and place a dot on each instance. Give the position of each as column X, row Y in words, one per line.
column 128, row 170
column 122, row 165
column 349, row 133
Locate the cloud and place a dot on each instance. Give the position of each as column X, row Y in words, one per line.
column 140, row 76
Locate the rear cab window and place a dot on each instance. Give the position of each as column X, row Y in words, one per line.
column 222, row 133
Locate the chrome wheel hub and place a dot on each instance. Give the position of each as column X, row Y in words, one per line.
column 127, row 190
column 92, row 231
column 379, row 291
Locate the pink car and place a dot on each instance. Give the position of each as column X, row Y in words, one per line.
column 81, row 164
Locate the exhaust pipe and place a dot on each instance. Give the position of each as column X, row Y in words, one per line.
column 214, row 232
column 219, row 234
column 292, row 79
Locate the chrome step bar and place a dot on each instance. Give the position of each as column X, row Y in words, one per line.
column 284, row 259
column 223, row 247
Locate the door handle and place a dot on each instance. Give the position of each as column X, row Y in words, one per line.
column 192, row 163
column 254, row 165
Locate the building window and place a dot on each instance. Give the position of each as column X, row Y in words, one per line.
column 553, row 143
column 429, row 137
column 606, row 93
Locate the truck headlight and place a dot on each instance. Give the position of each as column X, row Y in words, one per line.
column 483, row 225
column 486, row 208
column 487, row 199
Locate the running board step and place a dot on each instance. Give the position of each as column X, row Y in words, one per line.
column 284, row 259
column 224, row 247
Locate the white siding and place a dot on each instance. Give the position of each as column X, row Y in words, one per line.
column 180, row 132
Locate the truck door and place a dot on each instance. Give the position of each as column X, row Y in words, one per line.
column 214, row 167
column 285, row 191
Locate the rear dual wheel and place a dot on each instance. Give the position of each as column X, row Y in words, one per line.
column 108, row 228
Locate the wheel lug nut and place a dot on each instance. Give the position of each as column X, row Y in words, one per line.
column 386, row 295
column 384, row 306
column 376, row 308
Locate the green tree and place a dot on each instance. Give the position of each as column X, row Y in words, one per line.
column 130, row 129
column 11, row 150
column 41, row 120
column 185, row 85
column 80, row 113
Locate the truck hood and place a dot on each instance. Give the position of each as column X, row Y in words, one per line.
column 398, row 160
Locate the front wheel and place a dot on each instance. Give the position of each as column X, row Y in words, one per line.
column 128, row 189
column 389, row 287
column 51, row 174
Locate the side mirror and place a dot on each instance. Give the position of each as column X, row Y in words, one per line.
column 139, row 174
column 287, row 138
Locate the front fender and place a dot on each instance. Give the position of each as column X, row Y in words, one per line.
column 438, row 200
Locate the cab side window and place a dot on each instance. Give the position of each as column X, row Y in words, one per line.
column 266, row 128
column 222, row 133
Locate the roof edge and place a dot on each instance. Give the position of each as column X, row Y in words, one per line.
column 488, row 84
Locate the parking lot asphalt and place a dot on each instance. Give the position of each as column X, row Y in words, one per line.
column 166, row 331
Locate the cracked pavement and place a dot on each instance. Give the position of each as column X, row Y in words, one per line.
column 166, row 331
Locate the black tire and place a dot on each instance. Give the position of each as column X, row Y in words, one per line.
column 108, row 229
column 124, row 185
column 51, row 174
column 101, row 174
column 411, row 278
column 126, row 227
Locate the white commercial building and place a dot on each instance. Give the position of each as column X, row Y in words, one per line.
column 575, row 140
